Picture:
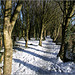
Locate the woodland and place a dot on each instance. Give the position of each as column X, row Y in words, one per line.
column 40, row 20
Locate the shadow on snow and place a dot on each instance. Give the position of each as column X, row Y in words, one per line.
column 34, row 54
column 39, row 70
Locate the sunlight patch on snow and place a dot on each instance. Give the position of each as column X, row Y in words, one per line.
column 59, row 60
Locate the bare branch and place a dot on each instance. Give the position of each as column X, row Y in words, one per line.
column 60, row 7
column 15, row 14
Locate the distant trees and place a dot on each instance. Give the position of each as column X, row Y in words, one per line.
column 26, row 20
column 45, row 18
column 54, row 24
column 35, row 17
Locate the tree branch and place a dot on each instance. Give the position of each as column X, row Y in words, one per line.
column 15, row 14
column 60, row 7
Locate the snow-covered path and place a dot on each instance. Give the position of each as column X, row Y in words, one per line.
column 36, row 60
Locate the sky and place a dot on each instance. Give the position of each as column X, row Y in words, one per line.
column 74, row 20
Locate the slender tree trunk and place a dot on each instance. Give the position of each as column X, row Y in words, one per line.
column 54, row 34
column 24, row 34
column 36, row 34
column 57, row 33
column 1, row 42
column 44, row 34
column 40, row 32
column 29, row 34
column 26, row 38
column 30, row 31
column 27, row 30
column 34, row 31
column 40, row 42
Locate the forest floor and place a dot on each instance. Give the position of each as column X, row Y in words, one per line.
column 37, row 60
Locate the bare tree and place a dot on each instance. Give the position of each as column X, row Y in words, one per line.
column 68, row 10
column 9, row 22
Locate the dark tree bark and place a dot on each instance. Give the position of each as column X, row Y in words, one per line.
column 67, row 13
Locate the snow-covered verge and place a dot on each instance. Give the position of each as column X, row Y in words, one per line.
column 36, row 60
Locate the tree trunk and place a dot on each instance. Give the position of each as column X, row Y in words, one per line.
column 7, row 40
column 36, row 34
column 27, row 30
column 40, row 42
column 34, row 31
column 9, row 23
column 0, row 70
column 30, row 32
column 62, row 50
column 66, row 14
column 26, row 38
column 64, row 45
column 1, row 42
column 8, row 52
column 57, row 33
column 54, row 34
column 24, row 35
column 44, row 34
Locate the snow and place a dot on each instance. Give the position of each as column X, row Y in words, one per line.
column 59, row 60
column 36, row 60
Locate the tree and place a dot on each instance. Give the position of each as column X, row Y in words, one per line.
column 68, row 10
column 9, row 22
column 26, row 20
column 44, row 18
column 27, row 24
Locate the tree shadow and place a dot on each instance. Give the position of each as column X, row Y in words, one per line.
column 49, row 43
column 35, row 48
column 40, row 50
column 49, row 47
column 32, row 67
column 24, row 43
column 34, row 54
column 40, row 70
column 32, row 44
